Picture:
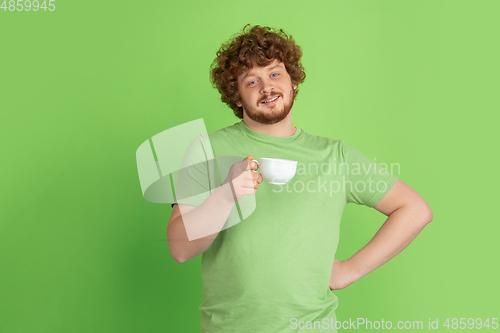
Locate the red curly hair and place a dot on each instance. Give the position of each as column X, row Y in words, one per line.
column 261, row 46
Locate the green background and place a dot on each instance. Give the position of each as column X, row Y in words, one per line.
column 408, row 82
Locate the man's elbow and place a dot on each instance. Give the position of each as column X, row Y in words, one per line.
column 421, row 212
column 178, row 258
column 174, row 250
column 426, row 213
column 430, row 217
column 175, row 254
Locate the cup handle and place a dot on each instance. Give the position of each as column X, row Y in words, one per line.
column 257, row 165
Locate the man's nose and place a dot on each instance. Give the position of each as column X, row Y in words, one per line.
column 267, row 86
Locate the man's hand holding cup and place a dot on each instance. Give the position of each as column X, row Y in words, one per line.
column 241, row 180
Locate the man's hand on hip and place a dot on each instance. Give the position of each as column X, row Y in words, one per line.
column 342, row 275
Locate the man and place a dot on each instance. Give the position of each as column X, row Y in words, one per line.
column 275, row 270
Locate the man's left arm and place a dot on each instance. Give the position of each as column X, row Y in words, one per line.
column 408, row 213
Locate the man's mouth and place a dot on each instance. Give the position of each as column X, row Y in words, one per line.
column 271, row 100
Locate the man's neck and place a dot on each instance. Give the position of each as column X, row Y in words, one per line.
column 283, row 128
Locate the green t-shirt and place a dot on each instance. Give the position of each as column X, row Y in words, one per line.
column 269, row 268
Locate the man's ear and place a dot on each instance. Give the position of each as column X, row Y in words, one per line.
column 294, row 86
column 238, row 104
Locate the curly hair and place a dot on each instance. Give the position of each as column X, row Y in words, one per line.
column 261, row 46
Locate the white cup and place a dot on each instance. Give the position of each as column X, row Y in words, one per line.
column 276, row 171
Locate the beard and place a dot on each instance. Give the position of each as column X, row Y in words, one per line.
column 270, row 115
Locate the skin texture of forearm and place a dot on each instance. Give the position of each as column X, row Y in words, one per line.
column 399, row 230
column 202, row 223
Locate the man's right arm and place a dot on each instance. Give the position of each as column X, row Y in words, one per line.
column 210, row 217
column 191, row 230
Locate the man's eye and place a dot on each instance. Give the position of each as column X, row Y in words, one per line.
column 251, row 82
column 275, row 74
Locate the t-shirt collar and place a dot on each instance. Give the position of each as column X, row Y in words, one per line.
column 268, row 137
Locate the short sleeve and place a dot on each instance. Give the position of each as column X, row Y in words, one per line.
column 366, row 182
column 198, row 176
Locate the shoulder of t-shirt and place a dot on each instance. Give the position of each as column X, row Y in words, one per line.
column 204, row 138
column 223, row 132
column 308, row 137
column 343, row 150
column 319, row 141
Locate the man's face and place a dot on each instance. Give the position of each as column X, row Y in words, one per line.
column 267, row 93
